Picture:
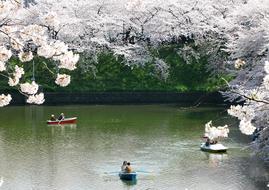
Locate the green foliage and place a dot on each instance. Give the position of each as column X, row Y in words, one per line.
column 113, row 75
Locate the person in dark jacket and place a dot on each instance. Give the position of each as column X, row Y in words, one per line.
column 61, row 117
column 207, row 143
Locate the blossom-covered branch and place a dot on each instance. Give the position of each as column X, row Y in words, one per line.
column 24, row 37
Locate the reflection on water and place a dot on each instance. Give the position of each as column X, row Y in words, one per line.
column 62, row 126
column 129, row 183
column 216, row 159
column 161, row 141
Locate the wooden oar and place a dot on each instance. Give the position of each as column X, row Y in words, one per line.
column 60, row 121
column 112, row 172
column 142, row 171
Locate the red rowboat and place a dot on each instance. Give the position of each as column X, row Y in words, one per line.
column 65, row 121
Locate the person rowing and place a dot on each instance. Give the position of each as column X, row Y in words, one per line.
column 61, row 117
column 127, row 172
column 128, row 168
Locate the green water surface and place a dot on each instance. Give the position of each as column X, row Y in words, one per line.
column 160, row 141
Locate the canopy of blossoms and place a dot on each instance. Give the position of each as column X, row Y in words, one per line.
column 23, row 37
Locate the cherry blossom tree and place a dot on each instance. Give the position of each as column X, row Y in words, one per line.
column 247, row 44
column 24, row 34
column 133, row 28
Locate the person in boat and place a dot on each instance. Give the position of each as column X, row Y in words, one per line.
column 61, row 117
column 124, row 165
column 52, row 118
column 128, row 168
column 207, row 143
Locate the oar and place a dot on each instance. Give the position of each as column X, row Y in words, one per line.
column 60, row 121
column 142, row 171
column 112, row 172
column 138, row 171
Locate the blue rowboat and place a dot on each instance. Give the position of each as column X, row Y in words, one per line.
column 127, row 176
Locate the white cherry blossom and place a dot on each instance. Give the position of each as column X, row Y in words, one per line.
column 26, row 56
column 13, row 81
column 16, row 44
column 32, row 31
column 51, row 19
column 5, row 100
column 26, row 32
column 46, row 51
column 29, row 88
column 2, row 66
column 69, row 60
column 40, row 40
column 246, row 127
column 36, row 99
column 241, row 112
column 19, row 71
column 60, row 47
column 5, row 54
column 17, row 74
column 63, row 80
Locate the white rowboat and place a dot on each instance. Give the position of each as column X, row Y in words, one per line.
column 213, row 148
